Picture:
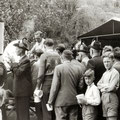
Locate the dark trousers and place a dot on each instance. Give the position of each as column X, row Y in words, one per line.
column 66, row 113
column 79, row 113
column 4, row 116
column 22, row 108
column 118, row 94
column 38, row 108
column 47, row 115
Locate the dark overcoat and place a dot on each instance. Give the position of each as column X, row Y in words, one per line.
column 96, row 63
column 22, row 82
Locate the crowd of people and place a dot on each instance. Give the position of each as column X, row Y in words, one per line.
column 65, row 84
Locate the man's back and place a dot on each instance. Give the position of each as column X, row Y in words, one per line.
column 65, row 84
column 48, row 61
column 69, row 80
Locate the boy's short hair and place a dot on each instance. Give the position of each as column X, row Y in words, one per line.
column 107, row 48
column 67, row 54
column 108, row 54
column 89, row 73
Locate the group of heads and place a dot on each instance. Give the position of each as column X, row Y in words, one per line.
column 88, row 51
column 95, row 46
column 108, row 61
column 22, row 46
column 110, row 57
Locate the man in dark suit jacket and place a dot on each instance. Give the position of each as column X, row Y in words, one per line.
column 66, row 81
column 96, row 63
column 22, row 83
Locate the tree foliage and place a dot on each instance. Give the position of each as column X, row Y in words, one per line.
column 62, row 20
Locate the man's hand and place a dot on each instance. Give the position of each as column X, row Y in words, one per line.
column 49, row 107
column 83, row 101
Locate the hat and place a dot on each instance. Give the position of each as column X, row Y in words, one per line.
column 60, row 47
column 83, row 48
column 22, row 45
column 49, row 42
column 95, row 45
column 68, row 54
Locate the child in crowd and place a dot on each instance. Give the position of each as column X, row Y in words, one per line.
column 91, row 99
column 108, row 85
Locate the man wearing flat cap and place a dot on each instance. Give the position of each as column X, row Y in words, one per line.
column 96, row 64
column 22, row 83
column 48, row 60
column 66, row 82
column 60, row 48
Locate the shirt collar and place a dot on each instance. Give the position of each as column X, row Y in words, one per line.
column 85, row 59
column 110, row 69
column 95, row 56
column 66, row 61
column 49, row 50
column 89, row 86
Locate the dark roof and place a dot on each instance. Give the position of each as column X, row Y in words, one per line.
column 107, row 31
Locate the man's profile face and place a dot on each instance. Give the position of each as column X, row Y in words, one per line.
column 79, row 56
column 38, row 37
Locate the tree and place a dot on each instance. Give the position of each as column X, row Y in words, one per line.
column 62, row 20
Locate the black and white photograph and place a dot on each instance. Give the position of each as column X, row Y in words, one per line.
column 59, row 60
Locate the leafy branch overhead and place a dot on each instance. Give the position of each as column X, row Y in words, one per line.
column 62, row 20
